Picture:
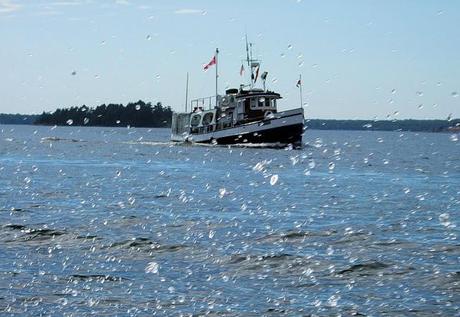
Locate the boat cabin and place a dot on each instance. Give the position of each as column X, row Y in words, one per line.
column 236, row 107
column 240, row 106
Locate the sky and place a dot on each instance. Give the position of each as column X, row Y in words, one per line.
column 358, row 59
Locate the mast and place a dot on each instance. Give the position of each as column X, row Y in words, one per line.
column 217, row 74
column 252, row 71
column 247, row 50
column 300, row 90
column 252, row 63
column 186, row 94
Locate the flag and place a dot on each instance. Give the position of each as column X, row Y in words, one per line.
column 212, row 62
column 241, row 70
column 299, row 83
column 257, row 73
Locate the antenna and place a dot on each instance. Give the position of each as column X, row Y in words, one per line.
column 247, row 49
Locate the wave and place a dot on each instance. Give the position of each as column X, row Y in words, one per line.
column 33, row 234
column 96, row 277
column 365, row 267
column 296, row 235
column 147, row 245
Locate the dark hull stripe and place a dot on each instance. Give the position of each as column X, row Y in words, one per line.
column 286, row 134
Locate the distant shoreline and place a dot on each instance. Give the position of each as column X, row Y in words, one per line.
column 145, row 115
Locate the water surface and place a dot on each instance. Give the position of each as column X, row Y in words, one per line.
column 117, row 221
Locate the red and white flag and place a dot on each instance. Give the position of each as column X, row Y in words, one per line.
column 212, row 62
column 241, row 70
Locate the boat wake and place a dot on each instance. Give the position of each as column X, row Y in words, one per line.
column 276, row 145
column 56, row 139
column 152, row 143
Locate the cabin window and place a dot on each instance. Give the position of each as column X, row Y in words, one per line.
column 263, row 102
column 207, row 118
column 271, row 103
column 195, row 120
column 257, row 103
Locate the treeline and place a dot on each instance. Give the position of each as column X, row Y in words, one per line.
column 17, row 118
column 142, row 114
column 385, row 125
column 137, row 114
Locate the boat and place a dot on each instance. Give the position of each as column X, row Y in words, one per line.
column 244, row 115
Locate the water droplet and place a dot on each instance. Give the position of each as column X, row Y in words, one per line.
column 444, row 219
column 85, row 120
column 282, row 55
column 393, row 91
column 419, row 93
column 148, row 37
column 73, row 73
column 454, row 137
column 102, row 42
column 289, row 47
column 131, row 200
column 396, row 113
column 273, row 179
column 211, row 234
column 331, row 166
column 222, row 192
column 118, row 122
column 138, row 107
column 69, row 122
column 333, row 300
column 152, row 267
column 454, row 94
column 225, row 278
column 420, row 106
column 311, row 164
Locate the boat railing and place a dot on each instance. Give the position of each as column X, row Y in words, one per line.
column 204, row 103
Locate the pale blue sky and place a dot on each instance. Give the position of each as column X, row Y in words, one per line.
column 358, row 59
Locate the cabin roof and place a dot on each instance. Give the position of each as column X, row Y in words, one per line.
column 257, row 93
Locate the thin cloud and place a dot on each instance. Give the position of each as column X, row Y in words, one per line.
column 6, row 6
column 65, row 3
column 123, row 2
column 188, row 11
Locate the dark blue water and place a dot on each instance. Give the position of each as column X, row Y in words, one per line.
column 113, row 221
